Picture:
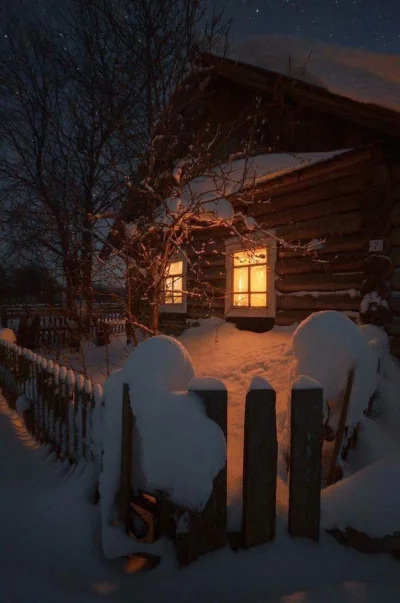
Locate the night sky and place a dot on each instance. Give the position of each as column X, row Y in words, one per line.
column 369, row 24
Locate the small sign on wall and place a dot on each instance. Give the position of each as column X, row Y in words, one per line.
column 376, row 245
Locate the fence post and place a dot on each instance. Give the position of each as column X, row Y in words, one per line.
column 260, row 457
column 125, row 489
column 306, row 437
column 207, row 531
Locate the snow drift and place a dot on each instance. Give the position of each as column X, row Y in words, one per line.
column 177, row 449
column 326, row 346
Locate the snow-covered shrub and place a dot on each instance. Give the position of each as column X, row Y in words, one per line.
column 177, row 449
column 8, row 335
column 326, row 346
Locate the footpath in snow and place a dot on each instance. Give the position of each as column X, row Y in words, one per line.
column 50, row 545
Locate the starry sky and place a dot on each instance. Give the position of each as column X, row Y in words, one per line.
column 369, row 24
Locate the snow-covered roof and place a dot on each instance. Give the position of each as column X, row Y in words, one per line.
column 362, row 76
column 235, row 176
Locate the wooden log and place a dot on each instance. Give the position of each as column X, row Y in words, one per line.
column 125, row 487
column 286, row 318
column 395, row 172
column 395, row 256
column 278, row 216
column 377, row 266
column 207, row 530
column 346, row 262
column 305, row 463
column 338, row 244
column 395, row 215
column 340, row 224
column 339, row 301
column 393, row 328
column 341, row 183
column 395, row 281
column 394, row 236
column 259, row 468
column 318, row 282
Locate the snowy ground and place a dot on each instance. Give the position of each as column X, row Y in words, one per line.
column 50, row 549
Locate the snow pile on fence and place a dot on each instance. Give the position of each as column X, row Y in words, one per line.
column 368, row 501
column 176, row 448
column 326, row 347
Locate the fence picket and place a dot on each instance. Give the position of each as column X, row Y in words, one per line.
column 259, row 467
column 306, row 436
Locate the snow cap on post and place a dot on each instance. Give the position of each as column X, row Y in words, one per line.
column 79, row 381
column 88, row 386
column 98, row 393
column 304, row 382
column 259, row 383
column 63, row 373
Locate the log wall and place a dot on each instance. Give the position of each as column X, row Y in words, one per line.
column 345, row 209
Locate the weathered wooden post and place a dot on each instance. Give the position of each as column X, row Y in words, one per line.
column 260, row 457
column 207, row 531
column 125, row 489
column 306, row 437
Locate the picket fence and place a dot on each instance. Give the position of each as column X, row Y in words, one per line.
column 61, row 402
column 62, row 413
column 57, row 329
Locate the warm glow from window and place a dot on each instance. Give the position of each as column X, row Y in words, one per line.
column 250, row 279
column 173, row 284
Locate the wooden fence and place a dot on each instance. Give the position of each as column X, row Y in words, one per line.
column 56, row 328
column 196, row 533
column 62, row 403
column 62, row 413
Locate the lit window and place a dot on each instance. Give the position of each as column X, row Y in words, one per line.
column 173, row 284
column 249, row 282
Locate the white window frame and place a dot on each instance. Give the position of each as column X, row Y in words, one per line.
column 232, row 245
column 178, row 308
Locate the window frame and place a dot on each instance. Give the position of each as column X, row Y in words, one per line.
column 233, row 245
column 177, row 308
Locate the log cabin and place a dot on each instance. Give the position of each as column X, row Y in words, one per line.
column 332, row 211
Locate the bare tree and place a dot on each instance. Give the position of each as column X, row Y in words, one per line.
column 83, row 92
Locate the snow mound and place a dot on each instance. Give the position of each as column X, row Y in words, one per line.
column 362, row 76
column 326, row 346
column 368, row 501
column 8, row 335
column 177, row 449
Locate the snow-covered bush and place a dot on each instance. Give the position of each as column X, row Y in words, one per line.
column 326, row 346
column 8, row 335
column 177, row 449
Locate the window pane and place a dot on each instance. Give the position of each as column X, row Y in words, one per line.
column 178, row 298
column 258, row 300
column 175, row 268
column 240, row 280
column 168, row 298
column 178, row 284
column 240, row 300
column 168, row 284
column 250, row 257
column 258, row 279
